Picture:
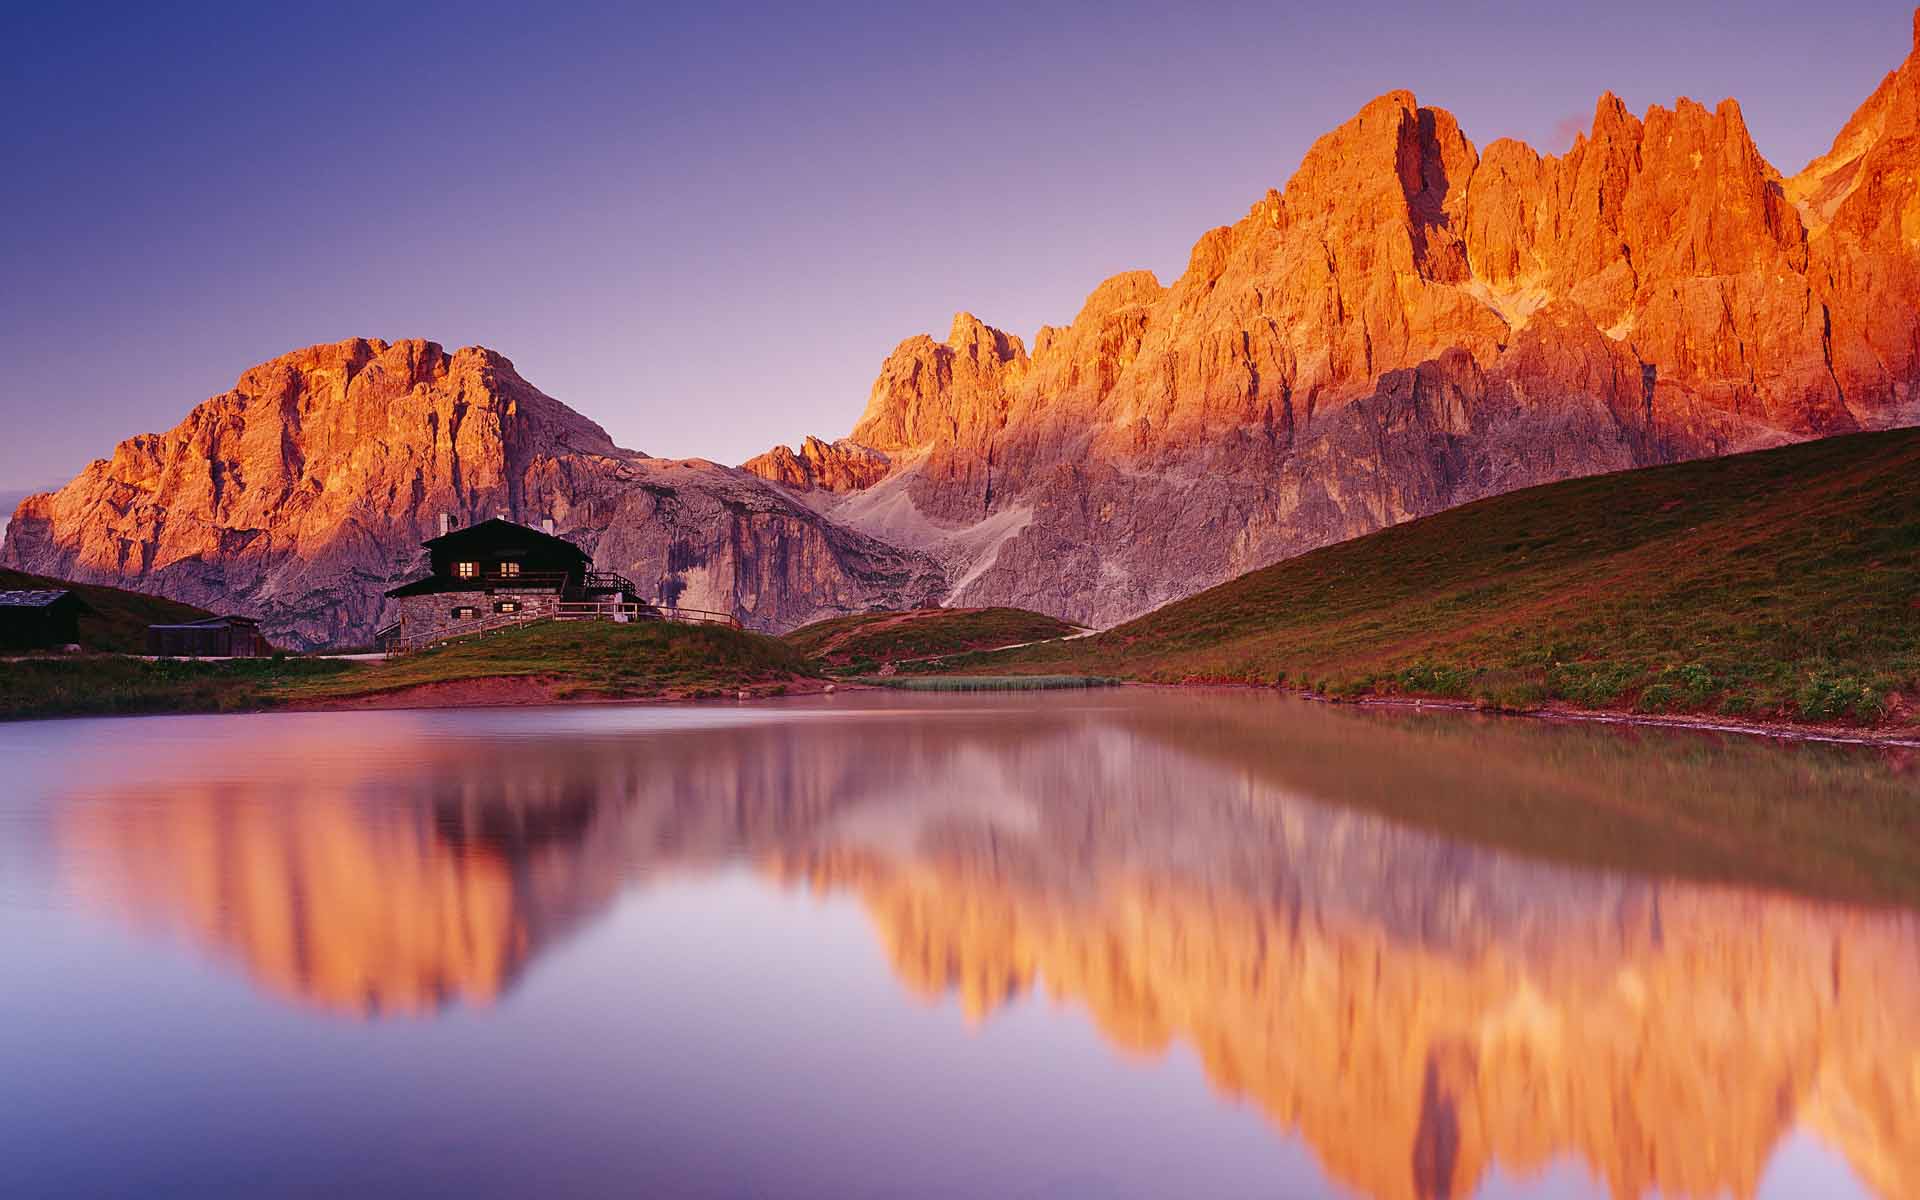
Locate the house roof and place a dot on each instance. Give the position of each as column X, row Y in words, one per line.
column 496, row 531
column 32, row 597
column 209, row 623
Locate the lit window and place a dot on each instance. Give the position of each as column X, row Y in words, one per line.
column 466, row 570
column 507, row 606
column 465, row 613
column 509, row 568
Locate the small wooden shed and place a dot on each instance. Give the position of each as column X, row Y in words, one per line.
column 40, row 618
column 215, row 637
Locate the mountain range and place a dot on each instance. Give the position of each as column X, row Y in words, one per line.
column 1413, row 322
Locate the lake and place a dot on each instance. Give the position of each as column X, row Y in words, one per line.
column 1134, row 942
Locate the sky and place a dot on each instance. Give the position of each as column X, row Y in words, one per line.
column 705, row 226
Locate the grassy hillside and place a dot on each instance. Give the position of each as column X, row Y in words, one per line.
column 861, row 643
column 585, row 659
column 1780, row 584
column 119, row 619
column 107, row 686
column 549, row 661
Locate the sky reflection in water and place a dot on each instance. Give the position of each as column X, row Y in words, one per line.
column 1121, row 944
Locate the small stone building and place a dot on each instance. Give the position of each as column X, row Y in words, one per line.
column 40, row 618
column 492, row 573
column 214, row 637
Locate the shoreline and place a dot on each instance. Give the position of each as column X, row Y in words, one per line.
column 1903, row 736
column 526, row 691
column 1776, row 730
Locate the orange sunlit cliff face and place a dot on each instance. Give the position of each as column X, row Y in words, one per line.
column 1421, row 998
column 1413, row 322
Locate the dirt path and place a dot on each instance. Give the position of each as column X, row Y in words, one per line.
column 891, row 622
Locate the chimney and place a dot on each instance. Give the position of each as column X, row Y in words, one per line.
column 546, row 526
column 446, row 523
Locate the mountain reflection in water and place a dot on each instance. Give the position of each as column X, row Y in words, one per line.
column 1425, row 943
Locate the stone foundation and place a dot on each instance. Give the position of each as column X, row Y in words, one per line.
column 423, row 618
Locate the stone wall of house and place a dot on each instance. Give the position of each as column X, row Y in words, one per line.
column 432, row 616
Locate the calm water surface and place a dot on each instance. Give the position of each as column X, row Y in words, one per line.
column 1114, row 944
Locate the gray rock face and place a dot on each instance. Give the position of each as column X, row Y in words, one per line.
column 301, row 495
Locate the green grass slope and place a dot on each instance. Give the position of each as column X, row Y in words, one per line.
column 585, row 659
column 103, row 686
column 119, row 620
column 550, row 661
column 863, row 642
column 1782, row 584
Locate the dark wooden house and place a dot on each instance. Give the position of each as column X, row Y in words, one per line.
column 214, row 637
column 497, row 572
column 40, row 618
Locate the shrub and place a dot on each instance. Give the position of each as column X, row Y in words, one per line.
column 1657, row 697
column 1522, row 696
column 1431, row 680
column 1591, row 684
column 1822, row 697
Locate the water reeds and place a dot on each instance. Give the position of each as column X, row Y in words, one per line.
column 989, row 683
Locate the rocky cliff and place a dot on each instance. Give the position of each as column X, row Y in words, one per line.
column 1412, row 323
column 304, row 492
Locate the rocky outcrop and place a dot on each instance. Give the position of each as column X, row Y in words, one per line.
column 1411, row 324
column 842, row 466
column 303, row 493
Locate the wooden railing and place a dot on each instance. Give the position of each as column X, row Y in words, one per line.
column 697, row 616
column 610, row 581
column 603, row 610
column 610, row 610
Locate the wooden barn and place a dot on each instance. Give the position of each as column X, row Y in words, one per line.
column 215, row 637
column 40, row 618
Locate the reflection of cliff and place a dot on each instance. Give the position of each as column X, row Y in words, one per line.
column 397, row 874
column 1420, row 995
column 322, row 902
column 1669, row 1043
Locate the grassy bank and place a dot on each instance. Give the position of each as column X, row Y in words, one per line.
column 99, row 685
column 574, row 660
column 118, row 621
column 860, row 644
column 1780, row 585
column 584, row 660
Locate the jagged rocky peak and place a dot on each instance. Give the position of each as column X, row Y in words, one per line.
column 842, row 466
column 1409, row 324
column 1412, row 323
column 302, row 494
column 931, row 390
column 1877, row 138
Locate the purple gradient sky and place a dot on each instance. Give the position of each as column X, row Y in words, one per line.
column 706, row 227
